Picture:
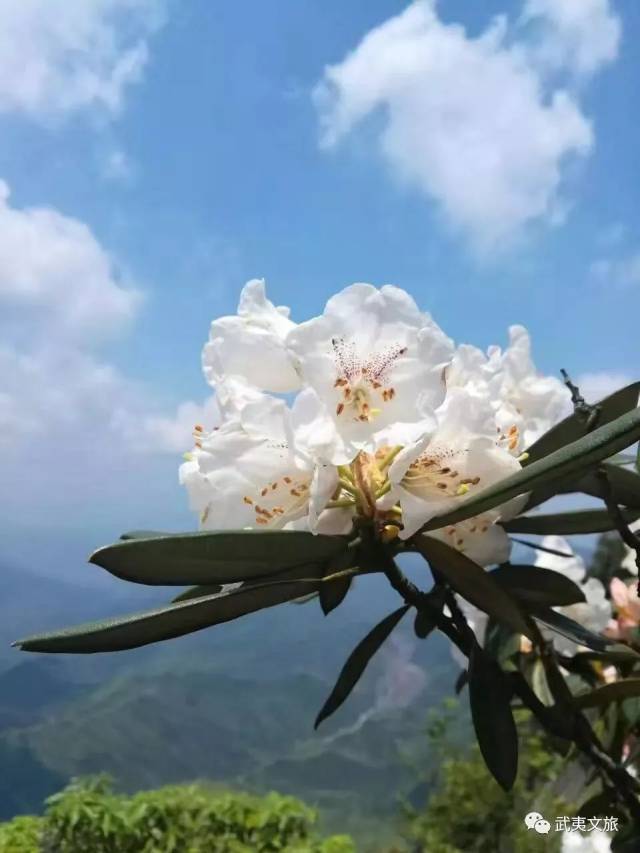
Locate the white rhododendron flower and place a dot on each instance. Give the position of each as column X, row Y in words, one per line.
column 373, row 359
column 571, row 566
column 594, row 613
column 436, row 473
column 390, row 422
column 526, row 404
column 250, row 345
column 540, row 401
column 240, row 475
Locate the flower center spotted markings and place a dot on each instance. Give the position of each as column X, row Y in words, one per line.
column 283, row 500
column 362, row 384
column 431, row 474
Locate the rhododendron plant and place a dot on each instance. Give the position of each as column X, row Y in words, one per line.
column 348, row 441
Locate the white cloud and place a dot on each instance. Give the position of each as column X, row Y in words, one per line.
column 475, row 123
column 581, row 35
column 53, row 270
column 58, row 56
column 595, row 386
column 621, row 271
column 174, row 433
column 74, row 429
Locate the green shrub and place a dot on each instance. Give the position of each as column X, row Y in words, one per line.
column 21, row 835
column 89, row 816
column 467, row 811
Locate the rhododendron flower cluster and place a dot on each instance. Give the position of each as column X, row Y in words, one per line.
column 367, row 410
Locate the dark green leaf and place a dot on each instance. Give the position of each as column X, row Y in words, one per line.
column 215, row 557
column 567, row 523
column 562, row 486
column 500, row 643
column 461, row 682
column 535, row 585
column 624, row 485
column 490, row 699
column 198, row 592
column 597, row 805
column 333, row 591
column 538, row 547
column 572, row 428
column 357, row 663
column 540, row 685
column 614, row 692
column 567, row 462
column 305, row 599
column 617, row 653
column 163, row 623
column 145, row 534
column 571, row 630
column 631, row 709
column 424, row 624
column 472, row 582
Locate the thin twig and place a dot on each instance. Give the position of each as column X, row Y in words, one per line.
column 584, row 411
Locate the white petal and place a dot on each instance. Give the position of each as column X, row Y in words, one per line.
column 571, row 567
column 374, row 360
column 335, row 522
column 439, row 472
column 323, row 484
column 251, row 344
column 315, row 430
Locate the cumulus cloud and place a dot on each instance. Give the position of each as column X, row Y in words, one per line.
column 59, row 56
column 73, row 428
column 581, row 35
column 172, row 433
column 479, row 124
column 53, row 269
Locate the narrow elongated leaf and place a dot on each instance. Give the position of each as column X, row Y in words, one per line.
column 540, row 684
column 568, row 461
column 198, row 592
column 424, row 624
column 357, row 663
column 461, row 682
column 500, row 643
column 333, row 591
column 490, row 700
column 164, row 623
column 538, row 547
column 535, row 585
column 572, row 428
column 472, row 582
column 305, row 599
column 614, row 692
column 145, row 534
column 215, row 557
column 624, row 485
column 617, row 653
column 599, row 804
column 567, row 523
column 570, row 629
column 562, row 486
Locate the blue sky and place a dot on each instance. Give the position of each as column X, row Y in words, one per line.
column 186, row 144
